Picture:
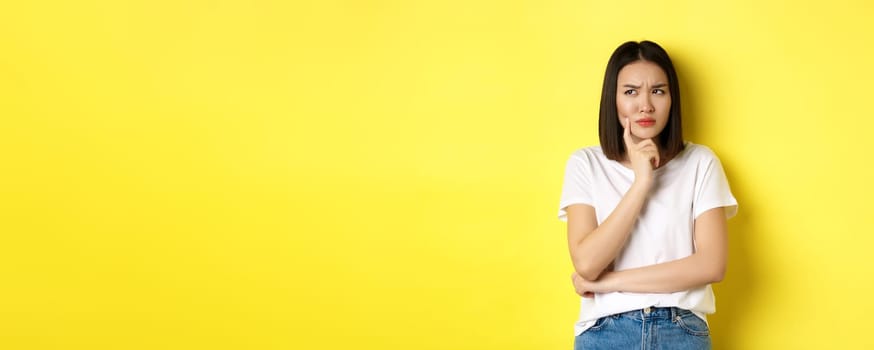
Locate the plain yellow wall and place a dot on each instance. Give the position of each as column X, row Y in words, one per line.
column 385, row 174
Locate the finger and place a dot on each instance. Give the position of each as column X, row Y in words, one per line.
column 652, row 151
column 653, row 158
column 648, row 150
column 626, row 134
column 647, row 143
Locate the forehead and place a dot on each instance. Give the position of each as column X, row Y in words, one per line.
column 642, row 71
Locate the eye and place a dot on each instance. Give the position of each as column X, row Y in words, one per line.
column 658, row 91
column 630, row 92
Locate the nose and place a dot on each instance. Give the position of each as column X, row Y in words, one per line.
column 646, row 104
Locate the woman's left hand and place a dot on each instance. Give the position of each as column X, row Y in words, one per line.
column 584, row 288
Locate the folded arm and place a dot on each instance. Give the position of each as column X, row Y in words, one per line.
column 706, row 265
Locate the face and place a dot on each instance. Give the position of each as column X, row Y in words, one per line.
column 643, row 95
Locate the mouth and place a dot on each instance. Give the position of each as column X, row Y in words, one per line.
column 645, row 122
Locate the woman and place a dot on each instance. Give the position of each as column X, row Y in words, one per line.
column 646, row 215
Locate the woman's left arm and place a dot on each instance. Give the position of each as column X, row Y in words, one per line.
column 706, row 265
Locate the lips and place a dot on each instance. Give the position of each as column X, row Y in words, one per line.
column 645, row 122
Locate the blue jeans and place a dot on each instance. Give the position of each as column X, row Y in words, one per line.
column 650, row 328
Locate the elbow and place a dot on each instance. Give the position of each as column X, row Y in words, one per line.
column 716, row 274
column 710, row 268
column 587, row 272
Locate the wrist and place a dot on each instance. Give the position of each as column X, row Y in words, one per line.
column 610, row 282
column 642, row 183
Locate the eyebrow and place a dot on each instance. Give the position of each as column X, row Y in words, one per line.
column 659, row 85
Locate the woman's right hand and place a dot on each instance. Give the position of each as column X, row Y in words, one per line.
column 643, row 155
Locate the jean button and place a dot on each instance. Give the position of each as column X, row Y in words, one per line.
column 647, row 310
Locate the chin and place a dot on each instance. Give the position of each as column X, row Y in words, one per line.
column 647, row 135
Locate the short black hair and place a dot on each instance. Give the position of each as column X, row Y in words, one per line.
column 610, row 130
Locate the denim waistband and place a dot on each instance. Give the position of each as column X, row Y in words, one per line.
column 668, row 313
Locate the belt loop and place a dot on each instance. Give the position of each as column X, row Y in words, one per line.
column 674, row 313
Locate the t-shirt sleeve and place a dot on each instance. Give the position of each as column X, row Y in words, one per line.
column 712, row 189
column 577, row 187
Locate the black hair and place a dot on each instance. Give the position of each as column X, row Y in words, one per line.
column 610, row 130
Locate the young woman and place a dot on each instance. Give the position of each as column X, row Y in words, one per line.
column 646, row 215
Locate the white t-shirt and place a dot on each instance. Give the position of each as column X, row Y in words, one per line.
column 690, row 184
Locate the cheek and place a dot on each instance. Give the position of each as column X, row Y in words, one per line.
column 623, row 106
column 667, row 103
column 665, row 108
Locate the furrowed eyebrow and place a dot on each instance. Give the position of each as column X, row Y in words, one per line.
column 656, row 86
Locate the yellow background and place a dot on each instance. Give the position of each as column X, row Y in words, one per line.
column 385, row 174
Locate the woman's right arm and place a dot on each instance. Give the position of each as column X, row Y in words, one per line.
column 593, row 247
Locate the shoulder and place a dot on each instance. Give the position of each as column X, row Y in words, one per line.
column 699, row 153
column 589, row 154
column 586, row 160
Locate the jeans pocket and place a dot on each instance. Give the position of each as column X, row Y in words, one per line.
column 692, row 324
column 600, row 323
